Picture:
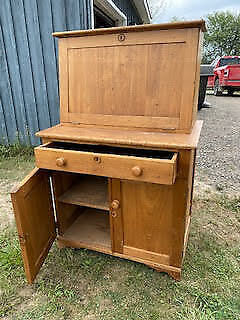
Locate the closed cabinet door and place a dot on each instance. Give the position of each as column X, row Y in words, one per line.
column 34, row 216
column 141, row 215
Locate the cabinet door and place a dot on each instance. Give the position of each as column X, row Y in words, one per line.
column 147, row 219
column 34, row 216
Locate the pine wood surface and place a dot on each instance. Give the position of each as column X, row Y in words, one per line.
column 35, row 220
column 147, row 216
column 121, row 83
column 90, row 230
column 116, row 217
column 154, row 170
column 147, row 27
column 88, row 191
column 134, row 138
column 117, row 89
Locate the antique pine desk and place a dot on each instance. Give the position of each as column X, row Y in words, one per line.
column 116, row 175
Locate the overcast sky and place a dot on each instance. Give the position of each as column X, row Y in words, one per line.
column 196, row 9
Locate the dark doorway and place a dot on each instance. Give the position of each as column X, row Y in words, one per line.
column 101, row 20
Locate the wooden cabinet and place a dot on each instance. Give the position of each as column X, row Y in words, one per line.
column 116, row 175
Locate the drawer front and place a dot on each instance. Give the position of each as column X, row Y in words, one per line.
column 160, row 171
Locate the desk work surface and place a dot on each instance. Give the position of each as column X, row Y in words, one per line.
column 77, row 134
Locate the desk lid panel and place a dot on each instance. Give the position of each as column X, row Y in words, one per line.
column 130, row 79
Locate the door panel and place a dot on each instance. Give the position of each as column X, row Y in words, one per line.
column 33, row 210
column 147, row 219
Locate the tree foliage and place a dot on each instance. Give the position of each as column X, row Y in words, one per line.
column 223, row 35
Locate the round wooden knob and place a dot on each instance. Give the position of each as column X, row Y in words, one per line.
column 115, row 204
column 60, row 162
column 137, row 171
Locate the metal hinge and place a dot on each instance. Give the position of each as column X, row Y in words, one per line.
column 22, row 239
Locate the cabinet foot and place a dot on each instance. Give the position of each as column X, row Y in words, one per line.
column 61, row 245
column 176, row 275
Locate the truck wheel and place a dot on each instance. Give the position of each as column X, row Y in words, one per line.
column 230, row 91
column 217, row 88
column 202, row 91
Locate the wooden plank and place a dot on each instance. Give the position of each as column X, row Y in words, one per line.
column 88, row 191
column 35, row 220
column 151, row 170
column 116, row 217
column 164, row 26
column 146, row 255
column 186, row 235
column 90, row 230
column 148, row 214
column 138, row 138
column 134, row 67
column 162, row 123
column 177, row 232
column 190, row 79
column 197, row 76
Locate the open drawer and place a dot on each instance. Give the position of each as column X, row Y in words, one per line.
column 156, row 166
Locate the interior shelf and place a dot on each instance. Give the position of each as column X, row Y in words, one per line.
column 90, row 191
column 90, row 230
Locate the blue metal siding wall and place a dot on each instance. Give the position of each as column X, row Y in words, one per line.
column 29, row 99
column 127, row 7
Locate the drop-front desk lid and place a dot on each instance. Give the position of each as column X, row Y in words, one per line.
column 138, row 76
column 123, row 137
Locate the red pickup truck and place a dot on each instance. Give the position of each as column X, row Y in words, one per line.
column 226, row 75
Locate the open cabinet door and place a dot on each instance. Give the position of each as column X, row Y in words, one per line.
column 33, row 210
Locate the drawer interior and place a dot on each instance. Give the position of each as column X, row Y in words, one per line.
column 104, row 149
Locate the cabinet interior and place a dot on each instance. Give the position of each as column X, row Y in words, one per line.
column 82, row 210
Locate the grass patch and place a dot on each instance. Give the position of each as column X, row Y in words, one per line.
column 15, row 150
column 81, row 284
column 15, row 161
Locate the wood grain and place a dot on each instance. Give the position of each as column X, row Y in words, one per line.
column 116, row 217
column 161, row 171
column 146, row 81
column 35, row 220
column 137, row 138
column 147, row 216
column 88, row 191
column 164, row 26
column 90, row 230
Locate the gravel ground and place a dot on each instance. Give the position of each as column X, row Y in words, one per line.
column 218, row 159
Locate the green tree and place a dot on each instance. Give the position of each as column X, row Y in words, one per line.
column 223, row 35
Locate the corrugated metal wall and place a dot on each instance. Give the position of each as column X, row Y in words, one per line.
column 29, row 98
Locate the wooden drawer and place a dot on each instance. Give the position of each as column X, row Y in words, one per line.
column 154, row 166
